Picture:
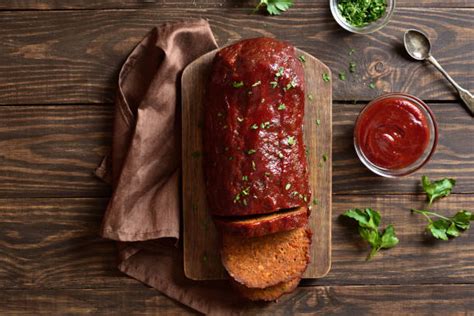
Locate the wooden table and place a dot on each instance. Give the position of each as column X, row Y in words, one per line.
column 58, row 66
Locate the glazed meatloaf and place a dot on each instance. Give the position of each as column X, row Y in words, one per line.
column 255, row 159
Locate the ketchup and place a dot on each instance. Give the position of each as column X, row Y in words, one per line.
column 392, row 133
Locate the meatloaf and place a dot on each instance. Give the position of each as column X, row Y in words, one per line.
column 254, row 153
column 264, row 224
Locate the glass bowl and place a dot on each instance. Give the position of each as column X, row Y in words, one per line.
column 422, row 159
column 372, row 27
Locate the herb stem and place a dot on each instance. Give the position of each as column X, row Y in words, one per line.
column 425, row 213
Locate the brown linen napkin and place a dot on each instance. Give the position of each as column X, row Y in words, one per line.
column 144, row 167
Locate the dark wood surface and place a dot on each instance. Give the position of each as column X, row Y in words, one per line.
column 58, row 66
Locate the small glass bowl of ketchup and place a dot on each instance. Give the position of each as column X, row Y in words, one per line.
column 395, row 135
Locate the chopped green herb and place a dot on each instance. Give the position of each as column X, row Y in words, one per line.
column 265, row 125
column 254, row 126
column 351, row 51
column 267, row 174
column 315, row 202
column 251, row 151
column 306, row 151
column 294, row 193
column 310, row 97
column 318, row 122
column 342, row 76
column 240, row 119
column 360, row 13
column 274, row 84
column 282, row 107
column 246, row 191
column 257, row 83
column 372, row 85
column 302, row 58
column 238, row 84
column 326, row 77
column 237, row 198
column 274, row 7
column 231, row 158
column 280, row 72
column 280, row 155
column 290, row 85
column 325, row 157
column 352, row 67
column 291, row 140
column 287, row 186
column 245, row 178
column 305, row 199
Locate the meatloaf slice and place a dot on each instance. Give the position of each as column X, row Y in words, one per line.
column 269, row 293
column 260, row 262
column 265, row 224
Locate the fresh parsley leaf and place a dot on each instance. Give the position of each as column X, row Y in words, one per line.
column 437, row 189
column 302, row 58
column 274, row 7
column 372, row 85
column 445, row 227
column 310, row 97
column 369, row 220
column 326, row 77
column 281, row 107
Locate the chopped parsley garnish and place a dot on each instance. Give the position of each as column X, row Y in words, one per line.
column 360, row 13
column 251, row 151
column 326, row 77
column 315, row 202
column 245, row 178
column 318, row 122
column 302, row 59
column 237, row 198
column 342, row 75
column 254, row 126
column 372, row 85
column 351, row 51
column 291, row 140
column 280, row 72
column 267, row 174
column 257, row 83
column 282, row 107
column 280, row 155
column 231, row 158
column 246, row 191
column 265, row 125
column 290, row 85
column 287, row 186
column 325, row 157
column 352, row 67
column 274, row 84
column 238, row 84
column 310, row 97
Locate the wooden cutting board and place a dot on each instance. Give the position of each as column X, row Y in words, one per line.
column 201, row 256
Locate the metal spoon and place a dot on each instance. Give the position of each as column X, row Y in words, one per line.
column 418, row 46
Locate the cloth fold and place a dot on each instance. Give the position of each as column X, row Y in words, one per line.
column 143, row 214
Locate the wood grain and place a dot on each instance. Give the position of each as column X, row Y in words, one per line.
column 326, row 300
column 67, row 57
column 51, row 151
column 141, row 4
column 200, row 236
column 54, row 244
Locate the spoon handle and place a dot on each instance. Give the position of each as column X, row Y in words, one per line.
column 465, row 95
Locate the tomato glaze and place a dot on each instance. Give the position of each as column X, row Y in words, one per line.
column 392, row 133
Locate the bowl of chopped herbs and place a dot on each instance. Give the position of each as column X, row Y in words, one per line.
column 362, row 16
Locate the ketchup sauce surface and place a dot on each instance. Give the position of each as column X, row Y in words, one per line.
column 392, row 133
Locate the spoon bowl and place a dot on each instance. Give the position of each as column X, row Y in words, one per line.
column 417, row 44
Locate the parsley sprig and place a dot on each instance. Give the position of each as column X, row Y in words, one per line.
column 274, row 7
column 444, row 227
column 369, row 220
